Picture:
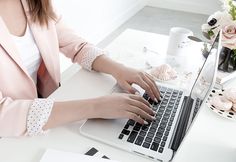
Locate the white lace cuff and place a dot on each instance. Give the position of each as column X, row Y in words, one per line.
column 89, row 57
column 38, row 116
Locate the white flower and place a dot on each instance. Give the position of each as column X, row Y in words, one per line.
column 223, row 18
column 234, row 3
column 216, row 22
column 225, row 5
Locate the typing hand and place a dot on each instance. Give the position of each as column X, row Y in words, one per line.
column 127, row 76
column 123, row 106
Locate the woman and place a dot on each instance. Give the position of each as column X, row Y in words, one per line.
column 31, row 36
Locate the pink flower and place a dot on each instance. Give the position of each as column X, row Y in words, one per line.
column 229, row 37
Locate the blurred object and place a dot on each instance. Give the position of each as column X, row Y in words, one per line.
column 227, row 62
column 164, row 72
column 196, row 39
column 178, row 40
column 146, row 49
column 213, row 103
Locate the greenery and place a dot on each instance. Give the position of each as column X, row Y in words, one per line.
column 232, row 10
column 234, row 56
column 210, row 33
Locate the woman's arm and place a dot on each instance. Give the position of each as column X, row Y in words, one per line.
column 126, row 76
column 109, row 107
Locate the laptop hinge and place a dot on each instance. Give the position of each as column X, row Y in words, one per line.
column 183, row 122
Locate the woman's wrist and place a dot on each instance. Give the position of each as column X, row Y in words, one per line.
column 71, row 111
column 106, row 65
column 117, row 70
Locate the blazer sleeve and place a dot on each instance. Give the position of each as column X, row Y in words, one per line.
column 23, row 117
column 75, row 47
column 13, row 116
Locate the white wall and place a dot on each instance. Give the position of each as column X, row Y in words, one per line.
column 196, row 6
column 95, row 19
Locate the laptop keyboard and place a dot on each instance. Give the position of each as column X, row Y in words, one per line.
column 154, row 135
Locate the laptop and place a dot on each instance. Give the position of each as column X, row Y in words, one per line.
column 160, row 139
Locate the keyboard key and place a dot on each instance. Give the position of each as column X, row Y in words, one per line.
column 166, row 133
column 154, row 125
column 146, row 145
column 150, row 134
column 121, row 136
column 162, row 125
column 148, row 139
column 126, row 132
column 126, row 126
column 154, row 146
column 162, row 107
column 161, row 130
column 163, row 144
column 139, row 140
column 175, row 92
column 164, row 138
column 137, row 127
column 158, row 116
column 153, row 130
column 154, row 108
column 132, row 136
column 150, row 101
column 145, row 128
column 175, row 110
column 168, row 128
column 161, row 149
column 130, row 122
column 159, row 134
column 170, row 124
column 142, row 133
column 145, row 96
column 155, row 103
column 157, row 139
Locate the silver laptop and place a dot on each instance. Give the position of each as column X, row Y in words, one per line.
column 161, row 138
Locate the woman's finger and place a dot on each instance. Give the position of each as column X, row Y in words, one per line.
column 140, row 112
column 127, row 87
column 141, row 106
column 135, row 117
column 153, row 85
column 142, row 83
column 140, row 99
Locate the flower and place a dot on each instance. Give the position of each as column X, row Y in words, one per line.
column 229, row 37
column 216, row 22
column 225, row 20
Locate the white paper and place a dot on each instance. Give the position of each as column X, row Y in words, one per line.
column 60, row 156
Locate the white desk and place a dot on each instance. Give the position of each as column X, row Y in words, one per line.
column 211, row 137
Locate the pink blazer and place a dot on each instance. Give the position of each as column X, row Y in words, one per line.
column 17, row 89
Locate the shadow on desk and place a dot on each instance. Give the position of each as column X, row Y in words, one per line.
column 217, row 152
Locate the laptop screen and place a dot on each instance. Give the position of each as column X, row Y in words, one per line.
column 202, row 86
column 205, row 78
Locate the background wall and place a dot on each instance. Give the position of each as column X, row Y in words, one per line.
column 95, row 19
column 197, row 6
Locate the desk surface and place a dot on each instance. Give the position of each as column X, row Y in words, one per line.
column 211, row 138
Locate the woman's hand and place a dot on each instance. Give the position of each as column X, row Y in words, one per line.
column 123, row 106
column 127, row 76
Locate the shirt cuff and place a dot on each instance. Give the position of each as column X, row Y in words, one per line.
column 90, row 56
column 38, row 115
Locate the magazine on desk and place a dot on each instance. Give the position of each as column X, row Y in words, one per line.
column 93, row 155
